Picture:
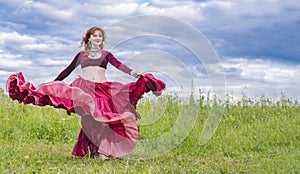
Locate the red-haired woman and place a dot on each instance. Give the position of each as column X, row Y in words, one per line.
column 107, row 109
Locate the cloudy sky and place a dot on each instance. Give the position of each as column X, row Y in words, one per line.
column 255, row 42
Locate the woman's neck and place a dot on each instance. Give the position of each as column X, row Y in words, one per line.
column 95, row 48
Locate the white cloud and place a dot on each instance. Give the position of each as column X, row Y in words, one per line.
column 261, row 69
column 15, row 38
column 170, row 3
column 6, row 56
column 39, row 43
column 50, row 11
column 187, row 12
column 110, row 10
column 5, row 73
column 261, row 76
column 52, row 30
column 251, row 77
column 14, row 63
column 62, row 62
column 127, row 54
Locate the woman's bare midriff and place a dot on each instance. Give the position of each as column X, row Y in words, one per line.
column 94, row 74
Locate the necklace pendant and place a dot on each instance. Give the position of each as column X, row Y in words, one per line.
column 94, row 53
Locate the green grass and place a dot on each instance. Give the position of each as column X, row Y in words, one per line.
column 260, row 137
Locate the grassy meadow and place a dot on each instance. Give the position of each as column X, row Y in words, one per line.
column 254, row 136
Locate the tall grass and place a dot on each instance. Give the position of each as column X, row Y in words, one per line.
column 254, row 136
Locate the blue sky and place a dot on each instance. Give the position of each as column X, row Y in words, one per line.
column 257, row 41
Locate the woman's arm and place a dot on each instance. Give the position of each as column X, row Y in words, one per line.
column 116, row 63
column 67, row 71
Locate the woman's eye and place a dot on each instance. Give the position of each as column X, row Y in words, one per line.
column 97, row 35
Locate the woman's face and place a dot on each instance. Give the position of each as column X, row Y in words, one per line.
column 96, row 39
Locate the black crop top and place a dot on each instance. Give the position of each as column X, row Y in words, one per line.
column 85, row 61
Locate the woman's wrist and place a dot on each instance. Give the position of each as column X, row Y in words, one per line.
column 135, row 74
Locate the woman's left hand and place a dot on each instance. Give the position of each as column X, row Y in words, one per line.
column 139, row 75
column 136, row 74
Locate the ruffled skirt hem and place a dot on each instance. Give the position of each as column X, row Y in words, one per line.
column 108, row 110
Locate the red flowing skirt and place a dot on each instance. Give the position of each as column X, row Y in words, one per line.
column 108, row 110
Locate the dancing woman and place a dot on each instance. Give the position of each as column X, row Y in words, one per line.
column 107, row 109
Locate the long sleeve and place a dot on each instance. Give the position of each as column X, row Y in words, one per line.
column 67, row 71
column 116, row 63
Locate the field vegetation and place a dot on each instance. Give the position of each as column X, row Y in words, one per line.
column 254, row 136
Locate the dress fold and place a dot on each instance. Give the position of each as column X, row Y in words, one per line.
column 108, row 110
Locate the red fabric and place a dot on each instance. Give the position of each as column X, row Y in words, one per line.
column 107, row 110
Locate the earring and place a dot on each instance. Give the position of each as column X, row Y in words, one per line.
column 89, row 44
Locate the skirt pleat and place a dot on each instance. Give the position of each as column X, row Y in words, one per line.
column 108, row 110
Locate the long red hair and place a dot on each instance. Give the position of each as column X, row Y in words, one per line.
column 88, row 34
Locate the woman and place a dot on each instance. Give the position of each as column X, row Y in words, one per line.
column 107, row 109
